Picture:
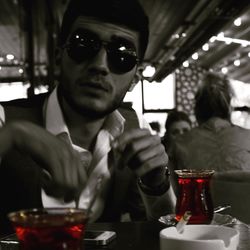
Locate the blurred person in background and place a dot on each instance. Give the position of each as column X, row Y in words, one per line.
column 177, row 123
column 100, row 46
column 216, row 143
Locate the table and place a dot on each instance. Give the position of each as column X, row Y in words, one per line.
column 131, row 235
column 145, row 235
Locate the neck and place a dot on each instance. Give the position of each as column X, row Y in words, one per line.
column 83, row 129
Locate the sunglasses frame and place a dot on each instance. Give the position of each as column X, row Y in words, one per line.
column 94, row 50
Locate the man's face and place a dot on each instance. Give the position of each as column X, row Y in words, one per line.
column 95, row 83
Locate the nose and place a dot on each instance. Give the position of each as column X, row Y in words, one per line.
column 99, row 64
column 181, row 132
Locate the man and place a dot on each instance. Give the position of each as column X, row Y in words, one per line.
column 101, row 43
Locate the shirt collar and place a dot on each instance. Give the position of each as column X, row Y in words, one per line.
column 56, row 124
column 114, row 123
column 54, row 120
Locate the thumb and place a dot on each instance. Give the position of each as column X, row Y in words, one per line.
column 64, row 137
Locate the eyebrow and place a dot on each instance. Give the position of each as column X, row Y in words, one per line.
column 126, row 40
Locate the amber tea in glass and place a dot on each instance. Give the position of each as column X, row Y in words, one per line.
column 52, row 228
column 194, row 195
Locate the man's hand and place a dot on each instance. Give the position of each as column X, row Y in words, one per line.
column 66, row 177
column 143, row 153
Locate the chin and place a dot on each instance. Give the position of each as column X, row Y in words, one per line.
column 91, row 108
column 94, row 112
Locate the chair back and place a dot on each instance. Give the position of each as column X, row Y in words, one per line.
column 233, row 188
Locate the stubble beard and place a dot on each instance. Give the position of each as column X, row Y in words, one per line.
column 86, row 110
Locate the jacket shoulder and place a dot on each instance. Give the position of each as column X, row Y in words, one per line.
column 25, row 109
column 25, row 102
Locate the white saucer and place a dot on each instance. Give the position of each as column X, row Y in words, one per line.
column 218, row 219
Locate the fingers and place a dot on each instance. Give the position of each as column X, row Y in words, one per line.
column 150, row 164
column 126, row 138
column 66, row 176
column 141, row 151
column 136, row 146
column 64, row 138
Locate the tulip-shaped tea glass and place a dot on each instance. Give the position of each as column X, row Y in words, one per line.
column 51, row 228
column 194, row 195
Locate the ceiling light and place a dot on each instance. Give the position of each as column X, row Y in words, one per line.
column 20, row 71
column 212, row 39
column 185, row 64
column 237, row 22
column 242, row 42
column 224, row 70
column 228, row 41
column 183, row 34
column 220, row 35
column 195, row 56
column 205, row 47
column 1, row 59
column 10, row 56
column 237, row 62
column 148, row 71
column 0, row 67
column 248, row 54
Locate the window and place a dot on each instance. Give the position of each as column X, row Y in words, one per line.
column 155, row 99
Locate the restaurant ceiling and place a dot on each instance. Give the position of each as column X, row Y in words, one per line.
column 195, row 22
column 180, row 28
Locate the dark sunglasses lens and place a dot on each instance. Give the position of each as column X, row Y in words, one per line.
column 82, row 46
column 121, row 56
column 121, row 62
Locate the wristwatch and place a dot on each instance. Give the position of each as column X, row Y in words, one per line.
column 157, row 190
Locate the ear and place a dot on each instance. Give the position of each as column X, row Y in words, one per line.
column 136, row 79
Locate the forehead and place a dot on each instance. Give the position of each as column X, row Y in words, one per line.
column 106, row 30
column 180, row 124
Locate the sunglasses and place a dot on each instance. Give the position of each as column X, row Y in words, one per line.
column 84, row 45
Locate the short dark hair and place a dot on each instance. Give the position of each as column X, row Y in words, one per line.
column 129, row 13
column 176, row 116
column 213, row 98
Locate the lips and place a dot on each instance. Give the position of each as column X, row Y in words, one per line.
column 94, row 85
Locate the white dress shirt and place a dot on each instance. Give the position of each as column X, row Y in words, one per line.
column 113, row 127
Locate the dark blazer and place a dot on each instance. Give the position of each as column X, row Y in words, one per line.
column 20, row 176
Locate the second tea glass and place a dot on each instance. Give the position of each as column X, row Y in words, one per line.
column 194, row 195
